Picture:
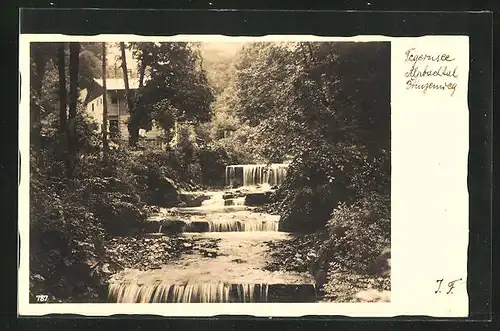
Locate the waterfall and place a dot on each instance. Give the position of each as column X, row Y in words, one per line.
column 233, row 225
column 187, row 293
column 256, row 174
column 226, row 226
column 242, row 226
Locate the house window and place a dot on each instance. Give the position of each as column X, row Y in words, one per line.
column 92, row 107
column 113, row 128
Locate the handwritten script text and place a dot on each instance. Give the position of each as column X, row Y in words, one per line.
column 430, row 72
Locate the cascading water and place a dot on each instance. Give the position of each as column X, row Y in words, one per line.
column 235, row 272
column 188, row 293
column 227, row 225
column 217, row 214
column 242, row 226
column 256, row 174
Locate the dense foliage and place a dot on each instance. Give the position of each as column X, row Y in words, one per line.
column 327, row 105
column 324, row 106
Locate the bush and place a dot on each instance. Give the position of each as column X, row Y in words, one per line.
column 320, row 178
column 157, row 175
column 358, row 234
column 69, row 220
column 64, row 235
column 316, row 181
column 119, row 213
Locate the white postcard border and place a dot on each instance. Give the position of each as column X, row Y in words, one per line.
column 429, row 206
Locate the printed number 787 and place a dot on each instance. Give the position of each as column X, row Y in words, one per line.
column 42, row 298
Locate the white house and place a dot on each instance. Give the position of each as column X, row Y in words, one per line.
column 118, row 114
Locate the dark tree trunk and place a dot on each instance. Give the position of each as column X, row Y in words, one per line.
column 61, row 65
column 105, row 144
column 35, row 108
column 133, row 125
column 142, row 71
column 74, row 53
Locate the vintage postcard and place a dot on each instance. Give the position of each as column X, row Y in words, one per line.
column 266, row 176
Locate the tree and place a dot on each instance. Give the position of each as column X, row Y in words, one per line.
column 40, row 54
column 177, row 88
column 74, row 49
column 50, row 100
column 144, row 53
column 132, row 128
column 61, row 64
column 89, row 63
column 105, row 105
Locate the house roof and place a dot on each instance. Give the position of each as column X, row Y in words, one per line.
column 118, row 83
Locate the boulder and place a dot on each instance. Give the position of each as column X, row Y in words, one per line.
column 257, row 199
column 173, row 226
column 119, row 216
column 166, row 193
column 240, row 193
column 229, row 195
column 172, row 182
column 199, row 226
column 192, row 199
column 151, row 226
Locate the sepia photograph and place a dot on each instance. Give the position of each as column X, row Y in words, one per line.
column 210, row 171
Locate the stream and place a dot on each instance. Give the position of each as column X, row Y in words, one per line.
column 232, row 268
